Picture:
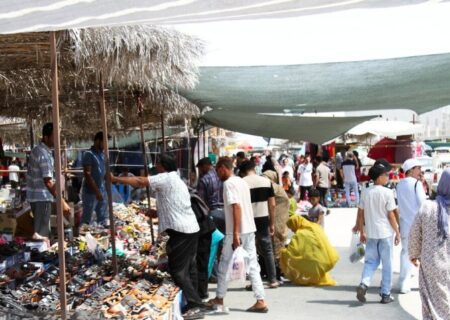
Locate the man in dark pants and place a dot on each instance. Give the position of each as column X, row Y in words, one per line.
column 210, row 189
column 263, row 203
column 323, row 179
column 177, row 218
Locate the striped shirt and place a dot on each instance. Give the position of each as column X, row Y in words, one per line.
column 40, row 166
column 174, row 203
column 261, row 190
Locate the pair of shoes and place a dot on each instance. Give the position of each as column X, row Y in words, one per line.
column 405, row 290
column 386, row 298
column 361, row 291
column 194, row 313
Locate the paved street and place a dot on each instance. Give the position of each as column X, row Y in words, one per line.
column 339, row 302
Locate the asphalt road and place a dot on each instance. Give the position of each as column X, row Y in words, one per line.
column 338, row 302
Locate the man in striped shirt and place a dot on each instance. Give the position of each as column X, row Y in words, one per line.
column 41, row 189
column 263, row 203
column 178, row 220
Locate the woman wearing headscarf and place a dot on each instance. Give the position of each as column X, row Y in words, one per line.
column 429, row 247
column 281, row 216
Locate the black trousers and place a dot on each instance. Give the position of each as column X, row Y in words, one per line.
column 303, row 192
column 323, row 196
column 182, row 253
column 203, row 252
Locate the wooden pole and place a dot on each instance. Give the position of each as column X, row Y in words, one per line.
column 112, row 226
column 163, row 132
column 144, row 156
column 186, row 124
column 59, row 209
column 31, row 134
column 204, row 142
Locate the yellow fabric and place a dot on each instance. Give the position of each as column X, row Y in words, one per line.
column 309, row 256
column 292, row 207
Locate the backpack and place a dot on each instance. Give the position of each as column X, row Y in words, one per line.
column 201, row 211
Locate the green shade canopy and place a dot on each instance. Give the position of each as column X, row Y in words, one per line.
column 420, row 83
column 313, row 129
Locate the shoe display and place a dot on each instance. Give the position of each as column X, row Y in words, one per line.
column 143, row 289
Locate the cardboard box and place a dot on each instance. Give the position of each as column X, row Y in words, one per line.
column 8, row 224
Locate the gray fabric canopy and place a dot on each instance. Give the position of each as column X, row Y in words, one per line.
column 418, row 83
column 313, row 129
column 45, row 15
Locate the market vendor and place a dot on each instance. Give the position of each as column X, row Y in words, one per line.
column 41, row 189
column 93, row 189
column 178, row 220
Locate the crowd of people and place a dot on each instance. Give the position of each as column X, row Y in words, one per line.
column 252, row 202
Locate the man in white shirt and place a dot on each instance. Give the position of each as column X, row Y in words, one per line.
column 240, row 231
column 410, row 196
column 14, row 174
column 305, row 171
column 377, row 225
column 348, row 173
column 178, row 220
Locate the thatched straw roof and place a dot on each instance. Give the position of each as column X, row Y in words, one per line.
column 152, row 60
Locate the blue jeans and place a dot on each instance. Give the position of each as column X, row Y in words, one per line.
column 91, row 204
column 351, row 186
column 379, row 250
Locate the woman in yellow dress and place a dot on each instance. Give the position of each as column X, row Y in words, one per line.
column 309, row 256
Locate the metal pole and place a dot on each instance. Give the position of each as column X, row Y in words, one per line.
column 163, row 133
column 112, row 226
column 59, row 210
column 144, row 156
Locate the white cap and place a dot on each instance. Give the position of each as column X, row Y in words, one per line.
column 409, row 164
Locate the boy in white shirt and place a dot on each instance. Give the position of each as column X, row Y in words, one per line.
column 240, row 231
column 377, row 225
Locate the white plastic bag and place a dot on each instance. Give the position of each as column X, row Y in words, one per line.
column 237, row 268
column 357, row 249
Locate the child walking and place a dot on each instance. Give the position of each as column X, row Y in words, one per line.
column 377, row 226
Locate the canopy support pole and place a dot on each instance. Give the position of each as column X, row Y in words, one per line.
column 186, row 124
column 144, row 156
column 31, row 134
column 163, row 132
column 59, row 207
column 112, row 227
column 204, row 141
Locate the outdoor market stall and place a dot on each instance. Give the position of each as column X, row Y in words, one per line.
column 125, row 59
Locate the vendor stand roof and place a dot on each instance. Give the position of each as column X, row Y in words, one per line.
column 153, row 61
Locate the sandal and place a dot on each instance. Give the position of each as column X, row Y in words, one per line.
column 192, row 314
column 258, row 310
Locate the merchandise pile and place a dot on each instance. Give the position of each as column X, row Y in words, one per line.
column 29, row 281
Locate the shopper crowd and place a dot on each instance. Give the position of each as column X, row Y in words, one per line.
column 253, row 202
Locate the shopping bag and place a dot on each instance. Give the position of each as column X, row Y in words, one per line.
column 357, row 249
column 217, row 236
column 237, row 268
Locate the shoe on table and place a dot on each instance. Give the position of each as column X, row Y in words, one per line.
column 361, row 291
column 386, row 298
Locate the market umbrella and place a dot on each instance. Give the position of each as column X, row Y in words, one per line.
column 385, row 148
